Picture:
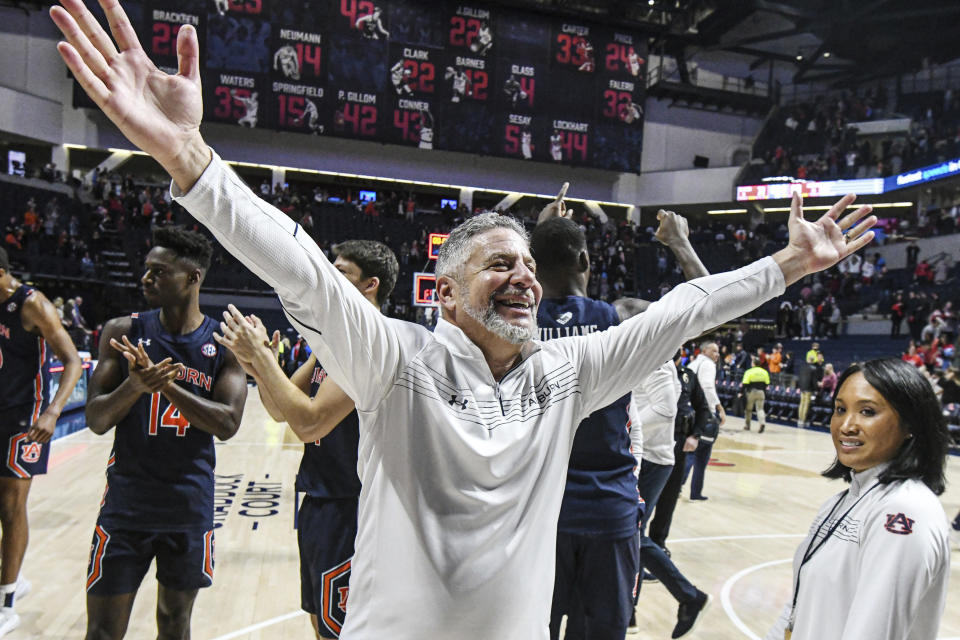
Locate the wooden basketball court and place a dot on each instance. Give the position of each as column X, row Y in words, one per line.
column 737, row 546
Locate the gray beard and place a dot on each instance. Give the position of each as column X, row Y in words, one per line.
column 495, row 324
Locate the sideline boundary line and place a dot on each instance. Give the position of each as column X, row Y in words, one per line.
column 261, row 625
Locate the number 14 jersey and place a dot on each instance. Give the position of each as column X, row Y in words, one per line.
column 160, row 472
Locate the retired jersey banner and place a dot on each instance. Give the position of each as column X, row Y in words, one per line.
column 475, row 77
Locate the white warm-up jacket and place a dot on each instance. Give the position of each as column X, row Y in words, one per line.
column 882, row 575
column 657, row 400
column 462, row 474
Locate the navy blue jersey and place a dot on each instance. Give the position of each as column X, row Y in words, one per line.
column 601, row 495
column 160, row 472
column 22, row 358
column 329, row 466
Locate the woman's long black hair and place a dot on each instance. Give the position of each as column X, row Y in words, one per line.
column 923, row 456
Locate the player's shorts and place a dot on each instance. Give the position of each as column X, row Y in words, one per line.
column 22, row 458
column 326, row 531
column 594, row 586
column 120, row 558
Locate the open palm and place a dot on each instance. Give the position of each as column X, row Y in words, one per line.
column 158, row 112
column 829, row 239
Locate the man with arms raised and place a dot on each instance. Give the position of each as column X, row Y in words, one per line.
column 465, row 433
column 28, row 322
column 324, row 419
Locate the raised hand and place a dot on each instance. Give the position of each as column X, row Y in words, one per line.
column 557, row 208
column 245, row 337
column 146, row 376
column 273, row 342
column 158, row 112
column 673, row 228
column 815, row 246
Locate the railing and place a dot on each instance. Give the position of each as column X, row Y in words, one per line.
column 664, row 68
column 932, row 79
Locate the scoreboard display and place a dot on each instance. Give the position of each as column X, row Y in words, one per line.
column 435, row 75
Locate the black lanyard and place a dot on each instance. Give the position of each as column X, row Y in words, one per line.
column 811, row 550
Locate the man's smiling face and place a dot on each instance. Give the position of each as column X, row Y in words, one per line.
column 498, row 286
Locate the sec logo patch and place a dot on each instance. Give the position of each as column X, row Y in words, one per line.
column 209, row 349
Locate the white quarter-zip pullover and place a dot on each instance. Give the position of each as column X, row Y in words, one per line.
column 883, row 573
column 462, row 474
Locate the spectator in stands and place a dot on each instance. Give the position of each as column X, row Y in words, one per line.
column 851, row 266
column 805, row 317
column 923, row 274
column 31, row 221
column 741, row 359
column 784, row 319
column 87, row 268
column 754, row 386
column 788, row 364
column 912, row 356
column 930, row 352
column 868, row 270
column 950, row 386
column 916, row 312
column 836, row 318
column 808, row 382
column 80, row 333
column 897, row 313
column 821, row 318
column 14, row 240
column 932, row 329
column 949, row 329
column 775, row 363
column 761, row 358
column 913, row 252
column 301, row 352
column 828, row 383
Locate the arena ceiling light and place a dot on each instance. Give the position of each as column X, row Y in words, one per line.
column 358, row 176
column 720, row 212
column 421, row 183
column 827, row 207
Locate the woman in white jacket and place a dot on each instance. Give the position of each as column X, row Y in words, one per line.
column 876, row 561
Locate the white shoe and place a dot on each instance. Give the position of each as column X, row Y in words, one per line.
column 24, row 587
column 9, row 620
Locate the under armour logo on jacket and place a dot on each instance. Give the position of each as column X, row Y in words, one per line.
column 454, row 401
column 564, row 318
